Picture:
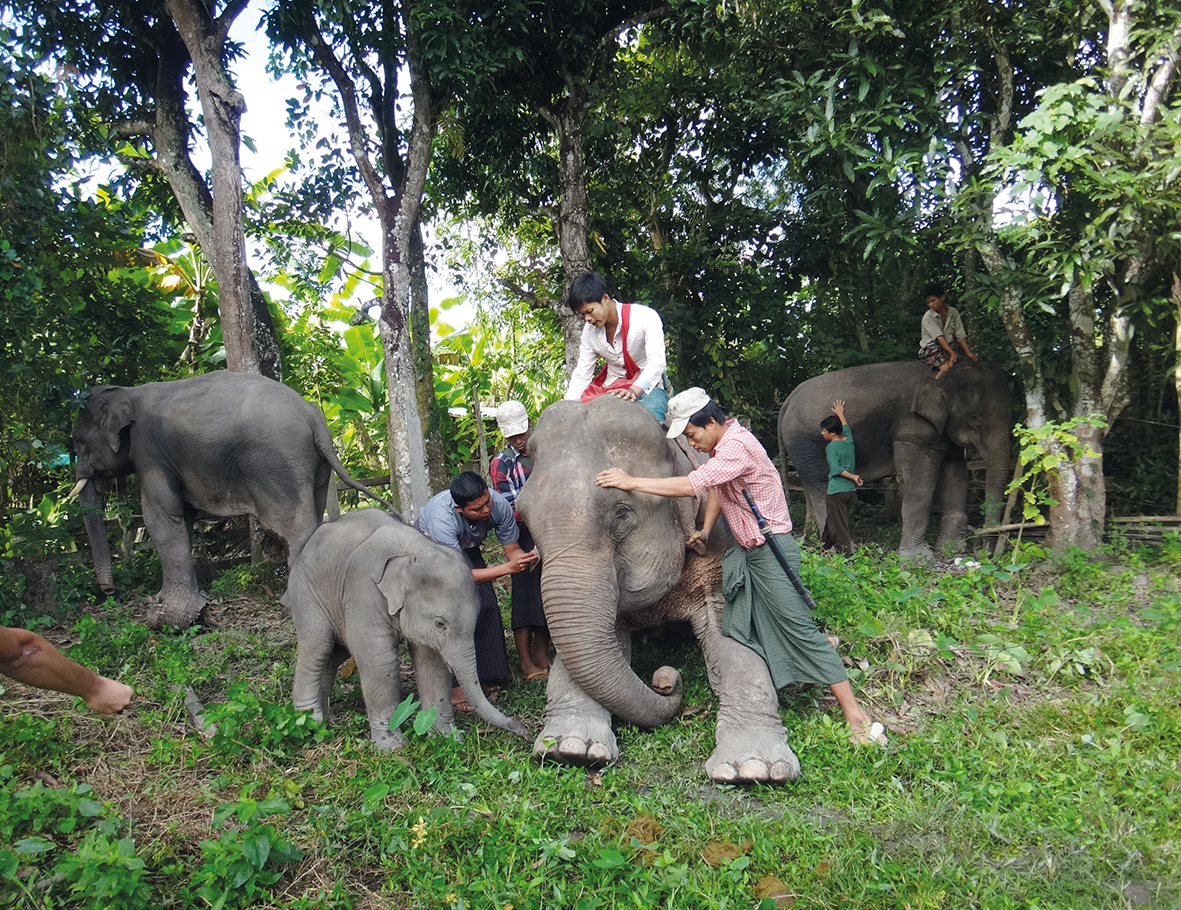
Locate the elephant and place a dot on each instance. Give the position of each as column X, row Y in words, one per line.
column 907, row 422
column 616, row 561
column 226, row 443
column 365, row 582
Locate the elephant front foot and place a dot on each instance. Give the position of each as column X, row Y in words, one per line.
column 176, row 608
column 751, row 756
column 383, row 737
column 575, row 740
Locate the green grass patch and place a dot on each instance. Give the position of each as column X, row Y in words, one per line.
column 1034, row 708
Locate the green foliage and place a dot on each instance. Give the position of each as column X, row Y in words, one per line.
column 235, row 870
column 1042, row 450
column 247, row 725
column 64, row 838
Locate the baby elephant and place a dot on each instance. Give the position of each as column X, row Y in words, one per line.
column 362, row 584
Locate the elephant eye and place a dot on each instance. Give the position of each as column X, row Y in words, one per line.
column 621, row 522
column 440, row 624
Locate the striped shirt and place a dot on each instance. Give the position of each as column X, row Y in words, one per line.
column 509, row 471
column 738, row 462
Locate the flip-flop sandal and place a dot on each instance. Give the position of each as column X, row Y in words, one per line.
column 462, row 705
column 537, row 674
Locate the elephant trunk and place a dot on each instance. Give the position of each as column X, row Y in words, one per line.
column 996, row 478
column 465, row 673
column 582, row 610
column 100, row 548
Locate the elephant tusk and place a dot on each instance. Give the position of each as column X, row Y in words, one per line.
column 77, row 488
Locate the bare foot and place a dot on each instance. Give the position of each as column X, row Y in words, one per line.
column 459, row 701
column 532, row 672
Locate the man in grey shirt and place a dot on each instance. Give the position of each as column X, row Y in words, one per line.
column 461, row 518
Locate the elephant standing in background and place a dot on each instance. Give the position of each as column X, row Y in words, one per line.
column 907, row 422
column 225, row 443
column 364, row 583
column 616, row 561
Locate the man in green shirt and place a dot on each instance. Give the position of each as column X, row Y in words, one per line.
column 843, row 481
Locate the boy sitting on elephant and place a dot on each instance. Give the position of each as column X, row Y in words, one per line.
column 941, row 326
column 763, row 610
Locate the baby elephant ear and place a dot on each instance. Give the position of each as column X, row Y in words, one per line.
column 391, row 579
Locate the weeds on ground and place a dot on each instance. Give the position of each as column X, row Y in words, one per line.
column 1034, row 705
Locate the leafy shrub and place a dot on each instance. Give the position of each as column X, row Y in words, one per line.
column 102, row 871
column 235, row 873
column 246, row 723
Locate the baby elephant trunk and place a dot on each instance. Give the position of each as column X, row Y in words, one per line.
column 485, row 709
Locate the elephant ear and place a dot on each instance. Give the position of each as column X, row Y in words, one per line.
column 391, row 578
column 932, row 401
column 113, row 412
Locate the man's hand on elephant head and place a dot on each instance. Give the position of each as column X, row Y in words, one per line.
column 697, row 541
column 613, row 477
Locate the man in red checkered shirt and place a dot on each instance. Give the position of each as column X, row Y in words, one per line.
column 763, row 609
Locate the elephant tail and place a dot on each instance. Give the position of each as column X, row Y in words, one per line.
column 328, row 451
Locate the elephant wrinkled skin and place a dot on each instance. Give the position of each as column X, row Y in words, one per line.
column 615, row 561
column 363, row 584
column 908, row 423
column 225, row 443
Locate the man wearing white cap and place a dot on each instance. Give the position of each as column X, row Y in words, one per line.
column 763, row 610
column 509, row 470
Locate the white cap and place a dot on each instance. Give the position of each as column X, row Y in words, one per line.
column 681, row 407
column 512, row 419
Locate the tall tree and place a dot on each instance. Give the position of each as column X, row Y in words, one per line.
column 132, row 57
column 359, row 54
column 1099, row 161
column 531, row 120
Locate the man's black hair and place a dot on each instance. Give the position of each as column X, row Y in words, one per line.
column 832, row 423
column 934, row 289
column 467, row 487
column 589, row 287
column 712, row 411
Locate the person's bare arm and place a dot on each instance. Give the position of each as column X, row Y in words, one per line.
column 713, row 508
column 27, row 657
column 516, row 560
column 947, row 347
column 657, row 486
column 967, row 350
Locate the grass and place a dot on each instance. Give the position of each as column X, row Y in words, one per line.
column 1035, row 716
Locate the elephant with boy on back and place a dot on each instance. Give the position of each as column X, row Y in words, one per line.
column 907, row 422
column 224, row 443
column 616, row 561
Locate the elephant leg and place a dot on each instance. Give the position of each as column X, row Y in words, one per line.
column 918, row 468
column 953, row 498
column 433, row 679
column 317, row 659
column 180, row 600
column 751, row 742
column 381, row 687
column 294, row 522
column 577, row 729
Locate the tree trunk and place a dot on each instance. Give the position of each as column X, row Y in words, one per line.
column 1177, row 369
column 572, row 210
column 1079, row 494
column 251, row 346
column 424, row 374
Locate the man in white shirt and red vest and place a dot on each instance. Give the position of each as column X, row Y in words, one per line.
column 629, row 337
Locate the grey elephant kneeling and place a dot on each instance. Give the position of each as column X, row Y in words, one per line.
column 363, row 584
